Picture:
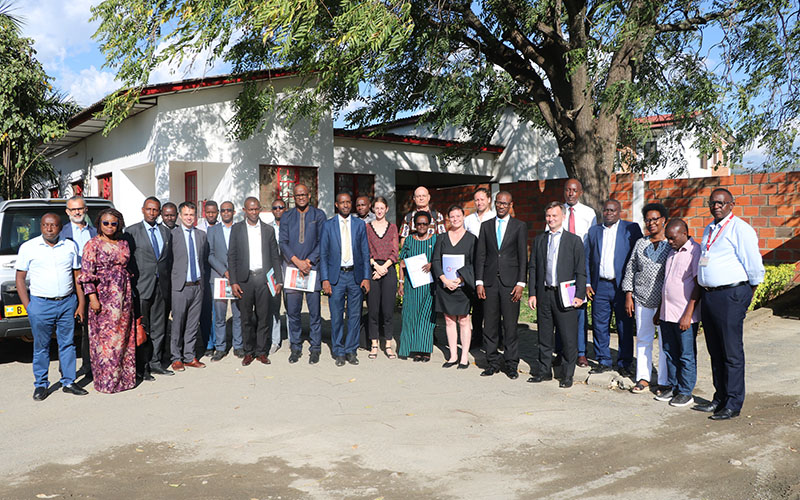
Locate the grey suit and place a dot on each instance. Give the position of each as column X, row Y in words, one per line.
column 187, row 296
column 151, row 282
column 218, row 261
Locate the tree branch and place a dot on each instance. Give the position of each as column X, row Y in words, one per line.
column 693, row 23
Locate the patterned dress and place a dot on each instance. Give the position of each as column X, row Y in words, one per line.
column 419, row 318
column 112, row 331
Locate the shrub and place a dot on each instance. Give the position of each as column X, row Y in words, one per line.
column 776, row 279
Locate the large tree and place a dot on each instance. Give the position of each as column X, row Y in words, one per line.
column 31, row 112
column 584, row 70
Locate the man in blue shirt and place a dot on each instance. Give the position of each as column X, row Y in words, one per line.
column 730, row 269
column 219, row 240
column 52, row 267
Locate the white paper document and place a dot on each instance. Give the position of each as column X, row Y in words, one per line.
column 567, row 290
column 417, row 276
column 295, row 281
column 222, row 289
column 451, row 264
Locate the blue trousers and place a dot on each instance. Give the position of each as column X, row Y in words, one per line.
column 220, row 317
column 608, row 298
column 680, row 350
column 345, row 293
column 294, row 305
column 46, row 316
column 723, row 313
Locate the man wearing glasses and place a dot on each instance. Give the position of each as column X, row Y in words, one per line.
column 299, row 246
column 278, row 209
column 219, row 239
column 80, row 231
column 730, row 268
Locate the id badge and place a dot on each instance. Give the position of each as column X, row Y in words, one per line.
column 703, row 261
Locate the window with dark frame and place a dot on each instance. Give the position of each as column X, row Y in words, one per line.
column 279, row 181
column 355, row 184
column 105, row 186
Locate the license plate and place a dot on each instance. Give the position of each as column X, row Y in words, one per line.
column 15, row 310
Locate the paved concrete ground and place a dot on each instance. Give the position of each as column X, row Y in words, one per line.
column 398, row 429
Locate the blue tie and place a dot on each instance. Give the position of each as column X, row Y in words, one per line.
column 499, row 233
column 154, row 241
column 192, row 257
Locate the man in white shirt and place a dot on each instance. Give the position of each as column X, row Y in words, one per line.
column 52, row 267
column 278, row 209
column 472, row 223
column 207, row 332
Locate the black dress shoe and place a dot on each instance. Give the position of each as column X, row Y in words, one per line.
column 339, row 360
column 724, row 414
column 147, row 377
column 313, row 358
column 294, row 357
column 351, row 358
column 449, row 364
column 489, row 372
column 160, row 371
column 218, row 355
column 40, row 393
column 535, row 379
column 209, row 353
column 565, row 383
column 74, row 390
column 710, row 407
column 599, row 369
column 512, row 374
column 239, row 353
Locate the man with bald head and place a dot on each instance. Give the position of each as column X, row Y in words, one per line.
column 729, row 271
column 422, row 200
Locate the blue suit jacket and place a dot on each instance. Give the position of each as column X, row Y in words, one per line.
column 330, row 250
column 289, row 242
column 628, row 234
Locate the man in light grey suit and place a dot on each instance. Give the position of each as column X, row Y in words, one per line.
column 189, row 251
column 150, row 245
column 219, row 237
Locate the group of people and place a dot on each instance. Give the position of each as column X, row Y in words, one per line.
column 472, row 268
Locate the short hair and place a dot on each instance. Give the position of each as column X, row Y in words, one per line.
column 455, row 206
column 721, row 189
column 169, row 204
column 612, row 200
column 187, row 204
column 504, row 192
column 251, row 198
column 680, row 223
column 53, row 214
column 482, row 190
column 153, row 198
column 554, row 204
column 345, row 193
column 76, row 197
column 658, row 207
column 380, row 199
column 363, row 196
column 212, row 203
column 422, row 213
column 120, row 219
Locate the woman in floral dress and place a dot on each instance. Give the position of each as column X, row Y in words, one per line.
column 107, row 284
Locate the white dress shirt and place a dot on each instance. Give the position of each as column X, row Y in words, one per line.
column 607, row 252
column 503, row 228
column 585, row 217
column 254, row 245
column 733, row 256
column 346, row 242
column 49, row 268
column 473, row 221
column 551, row 277
column 198, row 269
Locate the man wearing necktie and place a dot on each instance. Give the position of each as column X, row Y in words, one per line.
column 500, row 269
column 189, row 251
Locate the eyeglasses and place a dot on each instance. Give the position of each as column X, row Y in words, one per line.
column 648, row 221
column 423, row 223
column 108, row 223
column 279, row 208
column 79, row 209
column 502, row 203
column 226, row 210
column 714, row 204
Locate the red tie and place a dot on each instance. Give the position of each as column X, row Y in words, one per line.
column 572, row 220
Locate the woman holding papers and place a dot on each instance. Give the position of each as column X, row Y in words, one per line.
column 642, row 283
column 382, row 239
column 419, row 319
column 452, row 266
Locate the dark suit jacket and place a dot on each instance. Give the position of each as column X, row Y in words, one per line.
column 570, row 263
column 180, row 257
column 217, row 251
column 330, row 250
column 143, row 265
column 627, row 235
column 239, row 253
column 509, row 262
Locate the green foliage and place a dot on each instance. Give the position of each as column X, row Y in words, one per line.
column 776, row 279
column 31, row 114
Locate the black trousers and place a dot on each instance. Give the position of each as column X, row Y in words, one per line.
column 551, row 318
column 83, row 329
column 256, row 318
column 154, row 320
column 498, row 307
column 380, row 305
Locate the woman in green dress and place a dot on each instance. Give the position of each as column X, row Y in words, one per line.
column 419, row 317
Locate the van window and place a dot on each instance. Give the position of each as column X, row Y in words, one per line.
column 23, row 223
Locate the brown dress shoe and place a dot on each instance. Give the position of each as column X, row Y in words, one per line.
column 178, row 366
column 247, row 359
column 583, row 362
column 195, row 363
column 264, row 359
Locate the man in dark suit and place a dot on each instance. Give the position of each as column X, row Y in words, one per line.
column 556, row 257
column 151, row 263
column 80, row 231
column 219, row 237
column 189, row 252
column 252, row 254
column 500, row 269
column 345, row 272
column 608, row 248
